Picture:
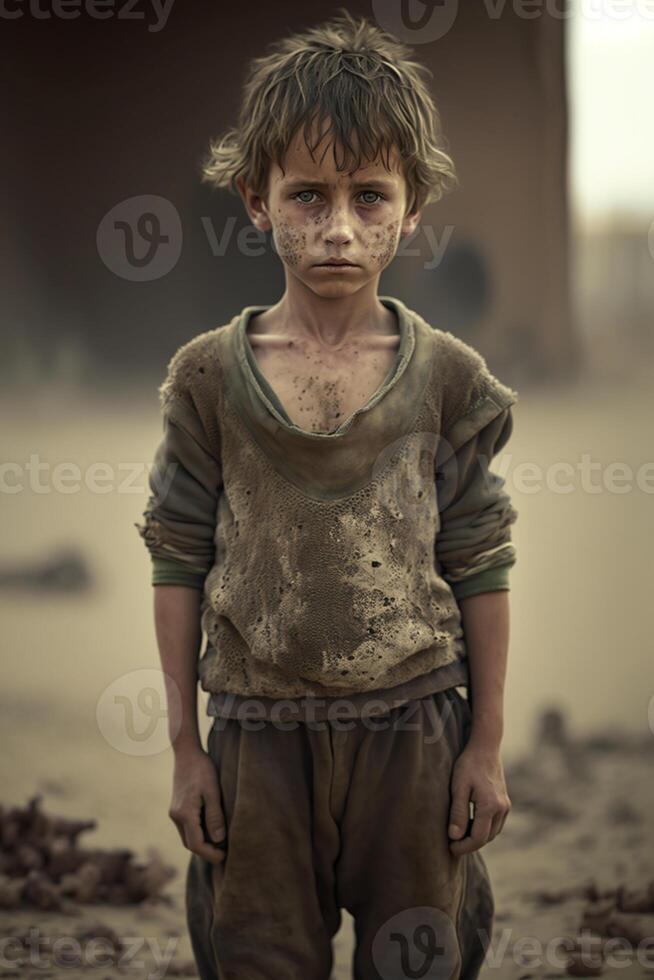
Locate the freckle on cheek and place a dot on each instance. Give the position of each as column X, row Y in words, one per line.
column 290, row 243
column 384, row 247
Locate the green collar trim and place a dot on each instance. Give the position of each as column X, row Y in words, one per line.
column 250, row 368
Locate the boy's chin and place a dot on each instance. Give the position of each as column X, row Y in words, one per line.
column 336, row 286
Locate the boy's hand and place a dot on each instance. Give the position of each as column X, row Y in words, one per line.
column 477, row 775
column 196, row 807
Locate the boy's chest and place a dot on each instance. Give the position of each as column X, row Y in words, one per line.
column 318, row 390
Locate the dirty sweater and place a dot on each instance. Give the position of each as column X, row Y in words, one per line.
column 331, row 563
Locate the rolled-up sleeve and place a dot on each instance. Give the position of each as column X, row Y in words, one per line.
column 185, row 481
column 474, row 549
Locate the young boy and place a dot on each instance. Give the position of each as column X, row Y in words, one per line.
column 322, row 509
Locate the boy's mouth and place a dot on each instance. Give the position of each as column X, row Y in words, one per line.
column 337, row 262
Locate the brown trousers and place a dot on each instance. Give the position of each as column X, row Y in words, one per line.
column 330, row 815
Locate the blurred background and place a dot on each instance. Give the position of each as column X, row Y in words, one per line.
column 115, row 254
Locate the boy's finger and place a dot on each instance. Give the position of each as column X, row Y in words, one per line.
column 478, row 836
column 214, row 819
column 459, row 813
column 196, row 842
column 193, row 832
column 212, row 853
column 481, row 826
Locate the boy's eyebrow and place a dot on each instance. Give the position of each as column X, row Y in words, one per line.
column 373, row 182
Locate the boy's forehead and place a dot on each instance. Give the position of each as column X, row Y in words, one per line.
column 300, row 166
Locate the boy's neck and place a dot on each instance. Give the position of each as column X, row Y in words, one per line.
column 328, row 323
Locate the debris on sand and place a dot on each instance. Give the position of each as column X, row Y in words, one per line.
column 641, row 900
column 42, row 865
column 580, row 964
column 614, row 914
column 581, row 808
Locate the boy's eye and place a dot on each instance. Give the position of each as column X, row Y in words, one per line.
column 376, row 195
column 298, row 197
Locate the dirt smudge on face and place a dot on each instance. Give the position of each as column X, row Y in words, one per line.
column 291, row 243
column 383, row 243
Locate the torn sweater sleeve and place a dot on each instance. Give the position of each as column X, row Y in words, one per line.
column 180, row 516
column 473, row 546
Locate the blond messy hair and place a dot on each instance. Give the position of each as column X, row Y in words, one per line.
column 361, row 80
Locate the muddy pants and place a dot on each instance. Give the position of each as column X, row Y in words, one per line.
column 331, row 815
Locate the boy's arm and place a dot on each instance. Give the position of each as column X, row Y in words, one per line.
column 179, row 531
column 474, row 546
column 179, row 637
column 180, row 516
column 478, row 773
column 475, row 553
column 485, row 618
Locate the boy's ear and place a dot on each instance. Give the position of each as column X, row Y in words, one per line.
column 255, row 206
column 410, row 222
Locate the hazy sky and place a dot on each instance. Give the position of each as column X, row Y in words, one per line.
column 611, row 73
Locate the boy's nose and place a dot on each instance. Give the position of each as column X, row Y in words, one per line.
column 338, row 231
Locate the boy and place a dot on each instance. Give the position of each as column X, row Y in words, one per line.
column 322, row 509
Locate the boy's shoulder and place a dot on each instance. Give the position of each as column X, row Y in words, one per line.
column 196, row 362
column 461, row 375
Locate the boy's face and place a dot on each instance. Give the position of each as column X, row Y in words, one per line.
column 316, row 214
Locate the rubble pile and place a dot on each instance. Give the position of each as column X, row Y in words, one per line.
column 42, row 864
